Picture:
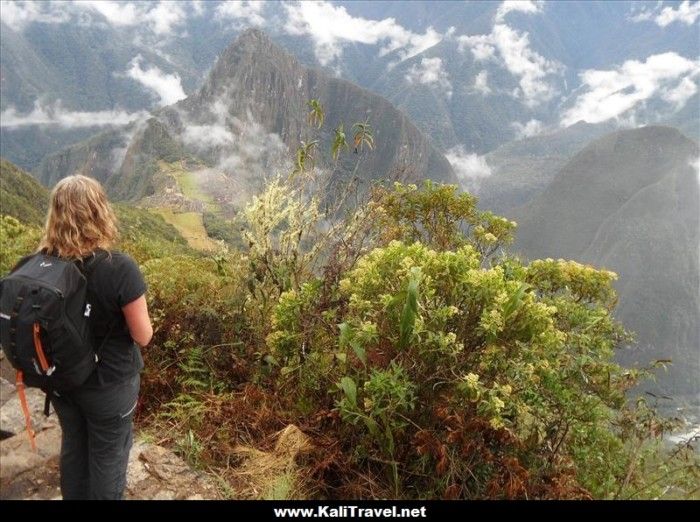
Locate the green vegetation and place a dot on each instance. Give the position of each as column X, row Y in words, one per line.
column 419, row 356
column 316, row 113
column 21, row 196
column 16, row 240
column 23, row 210
column 423, row 360
column 190, row 226
column 221, row 229
column 146, row 235
column 186, row 181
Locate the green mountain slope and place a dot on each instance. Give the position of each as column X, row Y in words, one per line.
column 629, row 202
column 23, row 198
column 522, row 169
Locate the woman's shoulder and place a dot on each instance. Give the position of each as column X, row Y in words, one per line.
column 115, row 260
column 119, row 256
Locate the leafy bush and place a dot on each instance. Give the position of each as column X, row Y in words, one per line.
column 197, row 307
column 458, row 374
column 16, row 240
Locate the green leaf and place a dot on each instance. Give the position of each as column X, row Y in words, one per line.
column 372, row 425
column 345, row 334
column 410, row 308
column 359, row 351
column 270, row 359
column 515, row 301
column 347, row 337
column 349, row 389
column 286, row 370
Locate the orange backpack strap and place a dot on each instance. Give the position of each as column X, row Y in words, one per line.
column 39, row 349
column 25, row 409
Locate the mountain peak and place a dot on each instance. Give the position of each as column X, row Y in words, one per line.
column 252, row 50
column 252, row 34
column 257, row 84
column 253, row 41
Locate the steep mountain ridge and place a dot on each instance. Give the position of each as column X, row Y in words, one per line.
column 85, row 60
column 523, row 169
column 246, row 120
column 629, row 202
column 257, row 82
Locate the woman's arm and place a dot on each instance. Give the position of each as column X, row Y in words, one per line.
column 138, row 321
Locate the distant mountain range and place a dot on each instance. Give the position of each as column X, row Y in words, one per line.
column 246, row 121
column 629, row 202
column 474, row 75
column 522, row 169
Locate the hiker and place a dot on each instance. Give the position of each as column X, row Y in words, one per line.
column 96, row 417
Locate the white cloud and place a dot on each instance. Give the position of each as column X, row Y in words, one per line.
column 467, row 166
column 681, row 93
column 525, row 63
column 239, row 147
column 19, row 15
column 430, row 72
column 515, row 54
column 159, row 18
column 56, row 116
column 480, row 45
column 248, row 13
column 531, row 128
column 695, row 165
column 116, row 13
column 165, row 16
column 330, row 27
column 642, row 16
column 511, row 50
column 524, row 6
column 204, row 136
column 481, row 83
column 686, row 13
column 612, row 93
column 197, row 7
column 166, row 86
column 483, row 52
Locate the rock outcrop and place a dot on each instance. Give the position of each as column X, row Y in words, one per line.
column 154, row 473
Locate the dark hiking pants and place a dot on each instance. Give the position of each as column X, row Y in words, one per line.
column 96, row 426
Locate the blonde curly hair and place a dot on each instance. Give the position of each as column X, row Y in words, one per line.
column 80, row 219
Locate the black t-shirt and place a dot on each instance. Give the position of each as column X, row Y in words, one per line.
column 113, row 283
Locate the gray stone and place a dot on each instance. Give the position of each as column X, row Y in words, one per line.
column 7, row 390
column 164, row 495
column 12, row 417
column 154, row 472
column 18, row 457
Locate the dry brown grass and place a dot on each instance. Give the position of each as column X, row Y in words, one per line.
column 272, row 474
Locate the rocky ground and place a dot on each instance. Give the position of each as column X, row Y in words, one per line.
column 154, row 472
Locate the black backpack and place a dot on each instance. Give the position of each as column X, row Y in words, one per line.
column 44, row 321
